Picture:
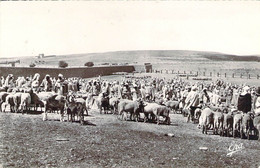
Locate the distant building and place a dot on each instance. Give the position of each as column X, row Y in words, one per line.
column 148, row 67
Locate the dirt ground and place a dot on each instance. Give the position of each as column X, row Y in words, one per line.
column 104, row 141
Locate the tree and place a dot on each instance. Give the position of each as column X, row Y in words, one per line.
column 89, row 64
column 63, row 64
column 32, row 65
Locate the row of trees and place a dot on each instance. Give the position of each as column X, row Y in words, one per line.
column 64, row 64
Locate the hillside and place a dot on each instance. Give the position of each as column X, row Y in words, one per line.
column 172, row 54
column 135, row 57
column 166, row 54
column 227, row 57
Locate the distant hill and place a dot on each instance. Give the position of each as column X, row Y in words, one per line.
column 136, row 57
column 170, row 53
column 226, row 57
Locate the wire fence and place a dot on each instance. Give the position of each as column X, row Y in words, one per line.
column 207, row 74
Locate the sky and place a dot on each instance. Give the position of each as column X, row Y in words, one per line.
column 56, row 28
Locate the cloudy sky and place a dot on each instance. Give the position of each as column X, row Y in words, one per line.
column 30, row 28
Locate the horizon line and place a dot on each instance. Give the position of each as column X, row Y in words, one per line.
column 12, row 57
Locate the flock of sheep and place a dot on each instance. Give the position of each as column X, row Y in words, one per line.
column 226, row 123
column 222, row 121
column 218, row 120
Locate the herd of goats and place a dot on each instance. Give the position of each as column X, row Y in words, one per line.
column 212, row 105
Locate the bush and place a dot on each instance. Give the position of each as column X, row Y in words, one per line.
column 89, row 64
column 32, row 65
column 63, row 64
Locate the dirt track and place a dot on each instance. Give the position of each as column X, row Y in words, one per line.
column 105, row 141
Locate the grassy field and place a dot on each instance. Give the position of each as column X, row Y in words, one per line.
column 105, row 141
column 182, row 60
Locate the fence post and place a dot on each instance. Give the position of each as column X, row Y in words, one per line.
column 257, row 77
column 241, row 75
column 184, row 72
column 197, row 73
column 248, row 76
column 210, row 74
column 233, row 75
column 225, row 75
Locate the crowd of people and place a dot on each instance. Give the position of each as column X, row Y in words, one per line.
column 190, row 95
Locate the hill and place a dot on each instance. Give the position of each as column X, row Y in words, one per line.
column 136, row 57
column 173, row 54
column 227, row 57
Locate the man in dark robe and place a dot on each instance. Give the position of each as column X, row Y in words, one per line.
column 244, row 103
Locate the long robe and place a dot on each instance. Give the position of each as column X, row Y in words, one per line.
column 244, row 103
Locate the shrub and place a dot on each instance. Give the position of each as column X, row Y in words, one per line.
column 32, row 65
column 89, row 64
column 63, row 64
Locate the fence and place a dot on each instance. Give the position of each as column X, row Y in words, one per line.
column 208, row 74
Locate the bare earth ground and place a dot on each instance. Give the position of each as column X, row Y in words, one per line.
column 105, row 141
